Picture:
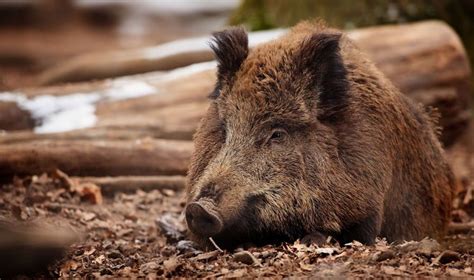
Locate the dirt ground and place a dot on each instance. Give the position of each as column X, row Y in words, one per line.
column 141, row 235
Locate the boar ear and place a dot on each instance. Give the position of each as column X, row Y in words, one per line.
column 319, row 56
column 230, row 49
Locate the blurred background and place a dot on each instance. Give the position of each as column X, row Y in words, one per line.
column 264, row 14
column 36, row 34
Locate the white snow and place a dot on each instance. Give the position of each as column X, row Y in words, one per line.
column 82, row 116
column 189, row 70
column 77, row 110
column 259, row 37
column 127, row 88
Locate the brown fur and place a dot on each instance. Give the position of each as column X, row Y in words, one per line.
column 305, row 135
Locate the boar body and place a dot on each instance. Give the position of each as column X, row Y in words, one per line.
column 305, row 135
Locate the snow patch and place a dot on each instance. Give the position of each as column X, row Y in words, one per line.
column 77, row 110
column 259, row 37
column 74, row 118
column 127, row 88
column 189, row 70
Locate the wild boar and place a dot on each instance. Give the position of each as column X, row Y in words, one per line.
column 305, row 135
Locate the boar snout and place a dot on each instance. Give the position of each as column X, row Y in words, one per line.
column 203, row 219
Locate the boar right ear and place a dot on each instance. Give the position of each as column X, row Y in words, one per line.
column 230, row 49
column 320, row 57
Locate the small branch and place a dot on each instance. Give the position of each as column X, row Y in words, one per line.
column 215, row 245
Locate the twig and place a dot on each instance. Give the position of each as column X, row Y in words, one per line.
column 215, row 245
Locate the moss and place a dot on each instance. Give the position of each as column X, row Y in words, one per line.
column 253, row 14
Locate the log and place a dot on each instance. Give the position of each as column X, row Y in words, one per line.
column 427, row 62
column 173, row 122
column 108, row 132
column 96, row 157
column 109, row 99
column 188, row 87
column 187, row 114
column 130, row 184
column 167, row 56
column 461, row 228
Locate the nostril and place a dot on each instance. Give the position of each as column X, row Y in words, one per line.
column 202, row 219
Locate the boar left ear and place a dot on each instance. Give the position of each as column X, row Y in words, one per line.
column 230, row 49
column 319, row 56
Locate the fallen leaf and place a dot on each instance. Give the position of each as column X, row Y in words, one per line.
column 306, row 267
column 89, row 191
column 246, row 257
column 63, row 178
column 390, row 270
column 19, row 212
column 425, row 247
column 100, row 259
column 170, row 264
column 205, row 256
column 171, row 226
column 149, row 267
column 88, row 216
column 168, row 192
column 238, row 273
column 70, row 265
column 447, row 257
column 383, row 255
column 326, row 251
column 187, row 246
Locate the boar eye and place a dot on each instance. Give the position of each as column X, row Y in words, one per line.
column 277, row 136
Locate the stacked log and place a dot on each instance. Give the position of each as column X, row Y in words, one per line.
column 127, row 138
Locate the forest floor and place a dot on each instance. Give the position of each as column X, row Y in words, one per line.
column 141, row 235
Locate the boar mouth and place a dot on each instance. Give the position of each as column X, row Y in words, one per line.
column 245, row 228
column 242, row 234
